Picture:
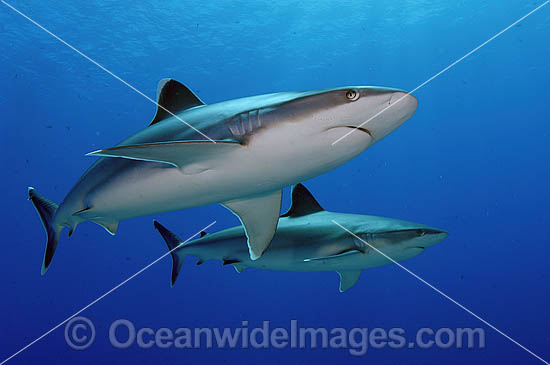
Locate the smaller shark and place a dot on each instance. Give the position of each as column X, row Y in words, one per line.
column 307, row 239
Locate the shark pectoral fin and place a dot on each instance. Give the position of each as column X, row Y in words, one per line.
column 337, row 256
column 348, row 279
column 259, row 216
column 239, row 267
column 110, row 226
column 179, row 154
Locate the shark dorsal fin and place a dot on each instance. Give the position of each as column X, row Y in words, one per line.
column 303, row 203
column 175, row 97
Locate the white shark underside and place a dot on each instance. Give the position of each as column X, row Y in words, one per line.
column 264, row 143
column 308, row 240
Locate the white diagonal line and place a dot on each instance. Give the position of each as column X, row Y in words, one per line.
column 104, row 295
column 441, row 293
column 104, row 69
column 444, row 70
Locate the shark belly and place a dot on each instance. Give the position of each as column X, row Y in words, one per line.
column 273, row 159
column 294, row 255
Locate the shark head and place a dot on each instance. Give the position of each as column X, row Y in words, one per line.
column 400, row 240
column 376, row 111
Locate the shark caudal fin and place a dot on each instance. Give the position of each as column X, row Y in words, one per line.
column 173, row 242
column 46, row 210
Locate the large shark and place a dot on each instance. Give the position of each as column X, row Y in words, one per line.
column 257, row 145
column 308, row 239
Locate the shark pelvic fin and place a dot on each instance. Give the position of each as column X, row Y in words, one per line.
column 110, row 226
column 191, row 156
column 174, row 97
column 303, row 203
column 259, row 216
column 46, row 210
column 239, row 267
column 348, row 279
column 173, row 242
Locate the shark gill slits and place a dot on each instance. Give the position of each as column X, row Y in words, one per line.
column 245, row 123
column 360, row 240
column 249, row 122
column 257, row 118
column 352, row 95
column 234, row 126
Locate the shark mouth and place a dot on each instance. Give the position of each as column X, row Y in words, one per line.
column 364, row 130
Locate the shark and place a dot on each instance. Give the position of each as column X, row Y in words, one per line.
column 254, row 147
column 308, row 239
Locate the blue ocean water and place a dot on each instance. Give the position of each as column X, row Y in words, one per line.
column 472, row 160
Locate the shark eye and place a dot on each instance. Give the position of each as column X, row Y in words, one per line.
column 352, row 95
column 420, row 232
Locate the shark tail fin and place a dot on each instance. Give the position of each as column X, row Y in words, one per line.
column 173, row 242
column 46, row 210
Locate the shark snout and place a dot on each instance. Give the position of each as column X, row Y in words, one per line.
column 395, row 108
column 407, row 102
column 432, row 236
